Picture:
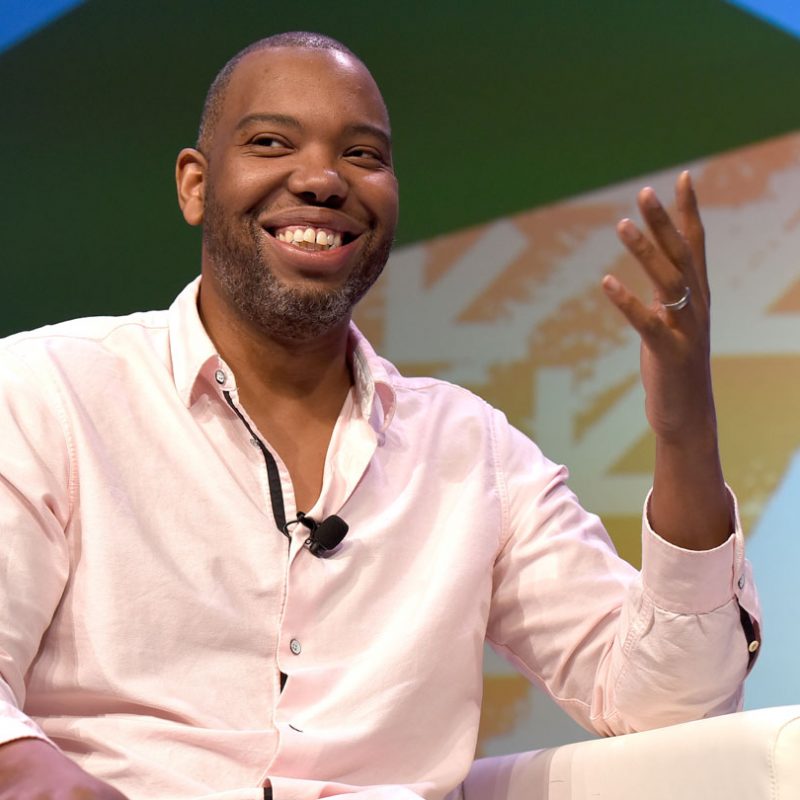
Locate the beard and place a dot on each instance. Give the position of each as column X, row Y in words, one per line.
column 298, row 313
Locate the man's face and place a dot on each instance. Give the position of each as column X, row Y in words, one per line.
column 300, row 197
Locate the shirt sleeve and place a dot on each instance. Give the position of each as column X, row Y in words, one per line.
column 619, row 650
column 34, row 511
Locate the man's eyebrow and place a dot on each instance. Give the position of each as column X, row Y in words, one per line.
column 275, row 119
column 365, row 128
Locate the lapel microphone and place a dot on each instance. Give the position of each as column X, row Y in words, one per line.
column 324, row 536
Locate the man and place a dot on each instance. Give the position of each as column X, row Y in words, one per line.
column 167, row 622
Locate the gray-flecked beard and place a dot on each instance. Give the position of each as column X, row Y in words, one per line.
column 283, row 312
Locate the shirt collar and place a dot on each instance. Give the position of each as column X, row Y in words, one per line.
column 372, row 382
column 193, row 354
column 194, row 360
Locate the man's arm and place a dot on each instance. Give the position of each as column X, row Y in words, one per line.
column 621, row 651
column 34, row 562
column 34, row 768
column 690, row 506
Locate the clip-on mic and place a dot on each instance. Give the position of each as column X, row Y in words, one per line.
column 325, row 536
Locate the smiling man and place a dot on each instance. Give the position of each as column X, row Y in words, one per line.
column 181, row 616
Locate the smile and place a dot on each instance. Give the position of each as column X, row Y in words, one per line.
column 307, row 237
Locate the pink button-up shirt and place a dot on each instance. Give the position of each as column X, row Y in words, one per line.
column 149, row 603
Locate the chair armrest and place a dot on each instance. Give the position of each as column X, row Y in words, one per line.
column 748, row 755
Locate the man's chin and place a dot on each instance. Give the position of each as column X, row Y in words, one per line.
column 294, row 314
column 292, row 307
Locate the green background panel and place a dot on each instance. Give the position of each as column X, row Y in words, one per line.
column 496, row 107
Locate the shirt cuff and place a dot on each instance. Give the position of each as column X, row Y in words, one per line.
column 14, row 724
column 692, row 581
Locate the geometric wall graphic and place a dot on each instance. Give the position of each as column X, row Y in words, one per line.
column 513, row 310
column 774, row 549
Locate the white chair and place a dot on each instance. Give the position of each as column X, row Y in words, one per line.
column 752, row 755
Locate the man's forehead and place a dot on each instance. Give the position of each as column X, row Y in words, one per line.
column 260, row 68
column 283, row 72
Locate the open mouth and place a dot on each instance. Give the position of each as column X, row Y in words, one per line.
column 306, row 237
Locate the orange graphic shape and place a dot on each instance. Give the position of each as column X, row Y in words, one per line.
column 506, row 702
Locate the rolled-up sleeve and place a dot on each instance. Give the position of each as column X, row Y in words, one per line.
column 619, row 650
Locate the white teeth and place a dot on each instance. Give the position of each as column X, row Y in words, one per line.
column 319, row 238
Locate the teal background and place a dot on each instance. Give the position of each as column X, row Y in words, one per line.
column 496, row 108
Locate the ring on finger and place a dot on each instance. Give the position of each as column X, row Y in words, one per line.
column 679, row 304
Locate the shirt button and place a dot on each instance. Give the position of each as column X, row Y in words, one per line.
column 741, row 582
column 220, row 377
column 254, row 442
column 754, row 645
column 295, row 647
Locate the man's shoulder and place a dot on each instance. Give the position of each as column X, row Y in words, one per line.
column 88, row 333
column 424, row 393
column 428, row 385
column 85, row 352
column 431, row 392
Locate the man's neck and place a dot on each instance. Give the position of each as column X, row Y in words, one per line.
column 293, row 391
column 312, row 373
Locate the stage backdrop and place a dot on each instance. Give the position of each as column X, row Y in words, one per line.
column 522, row 132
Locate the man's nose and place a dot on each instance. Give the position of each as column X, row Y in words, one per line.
column 318, row 180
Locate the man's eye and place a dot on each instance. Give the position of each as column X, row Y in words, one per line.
column 365, row 154
column 271, row 142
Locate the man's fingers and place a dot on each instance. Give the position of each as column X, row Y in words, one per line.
column 692, row 227
column 646, row 323
column 666, row 235
column 669, row 281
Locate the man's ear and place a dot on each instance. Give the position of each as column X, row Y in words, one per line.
column 190, row 175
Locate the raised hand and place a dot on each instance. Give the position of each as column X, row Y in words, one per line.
column 690, row 505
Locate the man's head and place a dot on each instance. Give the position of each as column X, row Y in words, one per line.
column 215, row 97
column 294, row 143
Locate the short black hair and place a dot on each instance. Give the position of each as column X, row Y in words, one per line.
column 215, row 97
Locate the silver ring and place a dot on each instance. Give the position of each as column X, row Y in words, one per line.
column 679, row 304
